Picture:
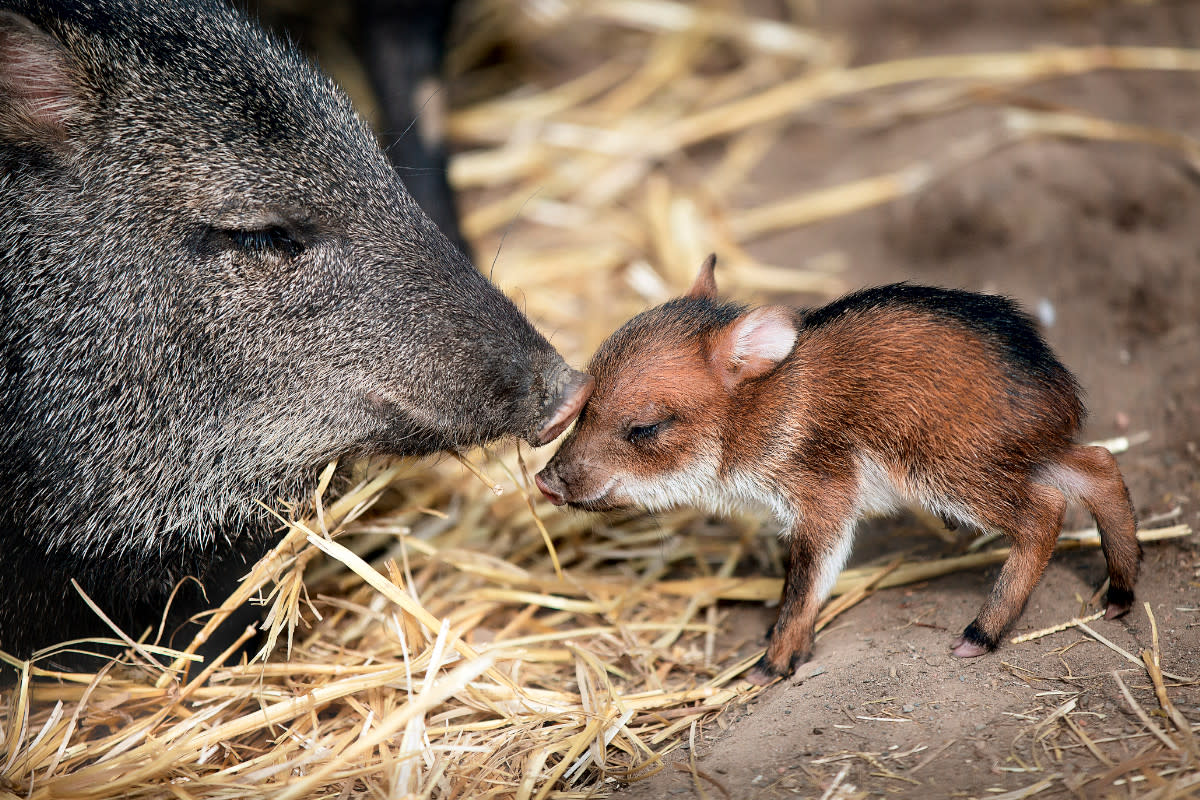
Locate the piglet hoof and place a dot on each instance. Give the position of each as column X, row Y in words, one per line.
column 761, row 677
column 965, row 649
column 1114, row 610
column 1119, row 603
column 764, row 673
column 973, row 643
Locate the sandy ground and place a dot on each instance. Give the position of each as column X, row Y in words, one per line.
column 1105, row 239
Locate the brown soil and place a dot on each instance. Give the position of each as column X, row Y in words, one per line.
column 1108, row 236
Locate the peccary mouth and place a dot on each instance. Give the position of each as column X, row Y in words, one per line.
column 574, row 389
column 423, row 431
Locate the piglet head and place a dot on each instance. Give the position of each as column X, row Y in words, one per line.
column 670, row 387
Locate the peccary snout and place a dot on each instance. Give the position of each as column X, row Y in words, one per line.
column 445, row 360
column 570, row 392
column 500, row 389
column 212, row 283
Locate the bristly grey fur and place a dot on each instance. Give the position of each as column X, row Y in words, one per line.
column 211, row 283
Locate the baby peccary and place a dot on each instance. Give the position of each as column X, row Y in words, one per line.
column 895, row 394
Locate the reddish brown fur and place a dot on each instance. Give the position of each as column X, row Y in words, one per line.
column 902, row 393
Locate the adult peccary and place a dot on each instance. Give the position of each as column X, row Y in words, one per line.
column 211, row 283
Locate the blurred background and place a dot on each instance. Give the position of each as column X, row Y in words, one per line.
column 590, row 153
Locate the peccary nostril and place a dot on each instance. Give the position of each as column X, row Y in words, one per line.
column 551, row 494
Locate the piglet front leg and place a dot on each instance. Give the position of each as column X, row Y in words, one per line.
column 819, row 548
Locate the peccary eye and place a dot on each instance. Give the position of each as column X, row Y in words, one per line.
column 640, row 434
column 266, row 240
column 271, row 240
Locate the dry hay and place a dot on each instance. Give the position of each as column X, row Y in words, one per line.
column 440, row 631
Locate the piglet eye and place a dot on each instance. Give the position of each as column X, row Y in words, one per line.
column 639, row 434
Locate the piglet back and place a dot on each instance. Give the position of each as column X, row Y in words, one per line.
column 1008, row 331
column 996, row 319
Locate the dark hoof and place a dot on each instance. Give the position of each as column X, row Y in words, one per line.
column 1114, row 610
column 1119, row 601
column 764, row 672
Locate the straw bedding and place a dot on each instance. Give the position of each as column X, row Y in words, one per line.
column 438, row 630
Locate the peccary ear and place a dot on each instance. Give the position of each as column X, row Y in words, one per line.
column 38, row 87
column 754, row 344
column 705, row 285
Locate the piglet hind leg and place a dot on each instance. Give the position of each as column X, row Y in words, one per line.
column 818, row 550
column 1093, row 475
column 1033, row 530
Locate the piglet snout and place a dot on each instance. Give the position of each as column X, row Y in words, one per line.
column 550, row 487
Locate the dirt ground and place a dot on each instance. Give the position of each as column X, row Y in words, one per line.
column 1104, row 241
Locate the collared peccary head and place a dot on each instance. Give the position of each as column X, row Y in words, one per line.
column 212, row 283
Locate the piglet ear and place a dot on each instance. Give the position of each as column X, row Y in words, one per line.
column 754, row 344
column 39, row 91
column 705, row 285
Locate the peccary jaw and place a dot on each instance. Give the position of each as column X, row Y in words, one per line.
column 211, row 283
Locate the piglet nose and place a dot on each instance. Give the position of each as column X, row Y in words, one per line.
column 552, row 494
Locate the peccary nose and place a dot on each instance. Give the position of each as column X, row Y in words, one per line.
column 544, row 482
column 576, row 391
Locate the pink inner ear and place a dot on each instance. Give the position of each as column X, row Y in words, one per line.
column 35, row 78
column 757, row 342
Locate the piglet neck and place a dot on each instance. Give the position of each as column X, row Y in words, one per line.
column 759, row 442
